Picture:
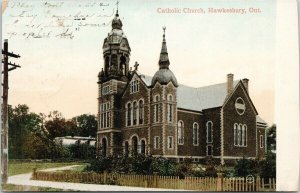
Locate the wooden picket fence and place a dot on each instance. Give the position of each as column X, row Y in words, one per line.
column 154, row 181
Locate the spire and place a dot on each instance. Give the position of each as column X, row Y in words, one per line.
column 117, row 14
column 116, row 22
column 164, row 58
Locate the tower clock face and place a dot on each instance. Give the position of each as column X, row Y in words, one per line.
column 240, row 106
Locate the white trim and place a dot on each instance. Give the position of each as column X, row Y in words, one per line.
column 240, row 137
column 137, row 141
column 212, row 150
column 236, row 108
column 109, row 130
column 261, row 141
column 156, row 104
column 123, row 144
column 186, row 111
column 182, row 131
column 140, row 149
column 234, row 157
column 126, row 114
column 136, row 113
column 222, row 137
column 143, row 112
column 212, row 125
column 246, row 94
column 156, row 143
column 179, row 156
column 197, row 137
column 168, row 141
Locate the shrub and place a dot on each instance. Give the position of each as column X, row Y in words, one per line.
column 268, row 166
column 100, row 164
column 245, row 167
column 163, row 167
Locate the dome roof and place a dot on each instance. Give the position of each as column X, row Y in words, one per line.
column 164, row 76
column 116, row 22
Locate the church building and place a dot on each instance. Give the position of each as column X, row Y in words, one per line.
column 160, row 117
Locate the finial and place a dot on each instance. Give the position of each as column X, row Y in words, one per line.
column 117, row 14
column 164, row 28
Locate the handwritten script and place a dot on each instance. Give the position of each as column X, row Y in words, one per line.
column 55, row 19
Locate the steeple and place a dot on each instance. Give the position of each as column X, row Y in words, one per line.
column 164, row 75
column 164, row 58
column 116, row 22
column 116, row 52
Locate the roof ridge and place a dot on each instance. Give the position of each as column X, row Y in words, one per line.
column 235, row 81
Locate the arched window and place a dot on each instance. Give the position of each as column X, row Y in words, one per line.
column 106, row 64
column 156, row 108
column 170, row 109
column 141, row 111
column 244, row 135
column 126, row 148
column 114, row 59
column 195, row 134
column 239, row 135
column 104, row 146
column 122, row 64
column 180, row 134
column 209, row 132
column 134, row 113
column 235, row 134
column 128, row 114
column 134, row 142
column 143, row 147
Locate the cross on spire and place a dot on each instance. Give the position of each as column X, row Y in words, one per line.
column 117, row 7
column 136, row 65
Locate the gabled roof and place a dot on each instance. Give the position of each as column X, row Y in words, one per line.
column 260, row 120
column 147, row 79
column 202, row 97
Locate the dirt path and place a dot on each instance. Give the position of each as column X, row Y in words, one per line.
column 24, row 179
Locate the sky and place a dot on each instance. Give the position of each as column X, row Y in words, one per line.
column 59, row 73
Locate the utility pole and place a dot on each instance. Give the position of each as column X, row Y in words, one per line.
column 4, row 126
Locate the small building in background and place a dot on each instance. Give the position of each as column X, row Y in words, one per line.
column 69, row 140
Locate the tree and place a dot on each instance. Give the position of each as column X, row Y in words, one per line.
column 271, row 137
column 57, row 126
column 22, row 124
column 86, row 125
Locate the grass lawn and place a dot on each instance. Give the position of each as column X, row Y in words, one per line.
column 15, row 188
column 16, row 167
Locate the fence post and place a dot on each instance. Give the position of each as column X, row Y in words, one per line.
column 104, row 177
column 220, row 181
column 258, row 184
column 34, row 174
column 155, row 179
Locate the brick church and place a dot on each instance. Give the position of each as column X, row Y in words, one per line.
column 160, row 117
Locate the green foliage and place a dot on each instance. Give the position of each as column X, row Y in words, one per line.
column 81, row 151
column 31, row 135
column 163, row 167
column 271, row 137
column 21, row 125
column 86, row 125
column 245, row 167
column 268, row 166
column 100, row 164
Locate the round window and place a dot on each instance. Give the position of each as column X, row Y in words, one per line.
column 240, row 106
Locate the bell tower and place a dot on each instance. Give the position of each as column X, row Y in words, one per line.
column 116, row 53
column 112, row 79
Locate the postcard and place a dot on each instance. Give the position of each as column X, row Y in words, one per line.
column 119, row 95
